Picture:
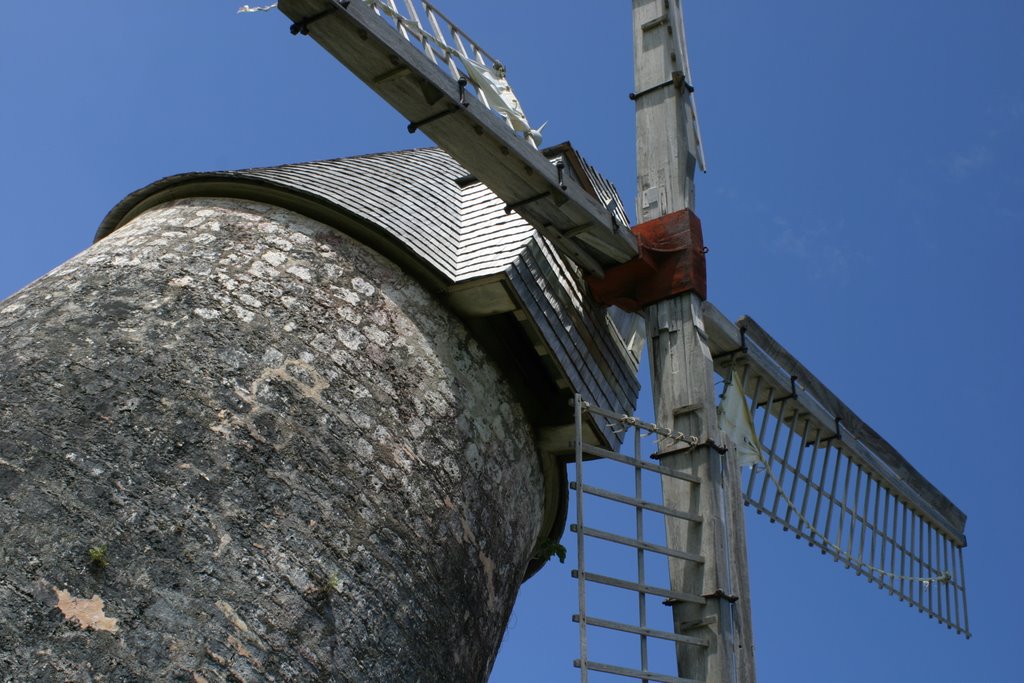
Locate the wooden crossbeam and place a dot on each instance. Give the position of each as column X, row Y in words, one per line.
column 398, row 69
column 829, row 478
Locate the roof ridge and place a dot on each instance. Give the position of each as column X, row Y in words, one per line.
column 372, row 155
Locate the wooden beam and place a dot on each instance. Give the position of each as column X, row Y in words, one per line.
column 682, row 370
column 859, row 440
column 683, row 386
column 667, row 140
column 477, row 138
column 481, row 297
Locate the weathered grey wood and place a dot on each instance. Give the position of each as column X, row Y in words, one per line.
column 673, row 472
column 851, row 528
column 408, row 205
column 636, row 502
column 481, row 141
column 682, row 370
column 739, row 568
column 903, row 470
column 633, row 543
column 629, row 628
column 667, row 137
column 822, row 406
column 694, row 598
column 683, row 384
column 640, row 631
column 637, row 673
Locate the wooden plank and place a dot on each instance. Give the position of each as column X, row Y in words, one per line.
column 567, row 328
column 633, row 543
column 859, row 441
column 681, row 596
column 479, row 140
column 635, row 673
column 585, row 322
column 672, row 472
column 682, row 370
column 682, row 378
column 368, row 46
column 635, row 502
column 640, row 631
column 667, row 138
column 739, row 567
column 863, row 432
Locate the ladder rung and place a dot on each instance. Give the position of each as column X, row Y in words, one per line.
column 636, row 502
column 639, row 587
column 641, row 631
column 643, row 464
column 634, row 673
column 633, row 543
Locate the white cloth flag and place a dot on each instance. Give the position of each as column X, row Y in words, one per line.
column 496, row 91
column 263, row 8
column 735, row 420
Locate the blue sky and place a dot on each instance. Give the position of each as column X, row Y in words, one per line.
column 864, row 202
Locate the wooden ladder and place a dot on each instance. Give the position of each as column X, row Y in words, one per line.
column 649, row 524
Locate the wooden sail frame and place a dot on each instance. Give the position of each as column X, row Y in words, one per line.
column 872, row 511
column 829, row 478
column 404, row 69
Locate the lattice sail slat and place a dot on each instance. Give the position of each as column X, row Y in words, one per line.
column 833, row 482
column 463, row 56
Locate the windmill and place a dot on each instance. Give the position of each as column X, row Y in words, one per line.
column 820, row 471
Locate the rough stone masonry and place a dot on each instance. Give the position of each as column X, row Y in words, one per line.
column 237, row 445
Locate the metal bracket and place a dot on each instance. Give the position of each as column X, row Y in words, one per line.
column 838, row 428
column 302, row 25
column 678, row 80
column 560, row 167
column 654, row 23
column 742, row 348
column 778, row 399
column 690, row 445
column 463, row 103
column 792, row 389
column 722, row 595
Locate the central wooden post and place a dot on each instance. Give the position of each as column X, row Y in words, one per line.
column 682, row 371
column 683, row 384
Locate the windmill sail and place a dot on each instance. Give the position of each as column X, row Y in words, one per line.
column 449, row 87
column 834, row 482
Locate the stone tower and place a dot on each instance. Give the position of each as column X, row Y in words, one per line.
column 299, row 423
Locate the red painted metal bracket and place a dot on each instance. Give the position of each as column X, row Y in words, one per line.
column 670, row 262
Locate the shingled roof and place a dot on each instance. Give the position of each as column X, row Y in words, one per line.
column 420, row 208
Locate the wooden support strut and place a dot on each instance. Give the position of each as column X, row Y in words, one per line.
column 670, row 262
column 667, row 282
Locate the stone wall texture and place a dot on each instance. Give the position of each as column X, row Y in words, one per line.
column 237, row 445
